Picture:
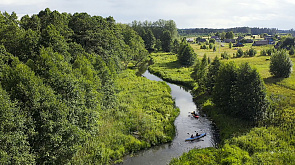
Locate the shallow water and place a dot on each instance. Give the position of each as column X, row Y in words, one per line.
column 185, row 126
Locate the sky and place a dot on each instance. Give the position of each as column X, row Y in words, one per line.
column 186, row 13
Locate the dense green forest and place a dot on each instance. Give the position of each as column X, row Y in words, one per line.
column 68, row 96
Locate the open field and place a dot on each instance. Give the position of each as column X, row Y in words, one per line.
column 261, row 63
column 224, row 47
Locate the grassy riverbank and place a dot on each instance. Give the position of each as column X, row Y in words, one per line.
column 145, row 118
column 169, row 69
column 272, row 142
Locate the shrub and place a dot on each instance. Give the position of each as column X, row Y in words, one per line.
column 263, row 53
column 240, row 53
column 211, row 46
column 280, row 64
column 252, row 52
column 292, row 51
column 225, row 55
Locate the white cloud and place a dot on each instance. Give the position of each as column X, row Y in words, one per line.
column 186, row 13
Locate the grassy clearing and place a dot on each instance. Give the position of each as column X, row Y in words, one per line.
column 168, row 68
column 224, row 47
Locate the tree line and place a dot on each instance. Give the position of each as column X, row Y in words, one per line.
column 245, row 30
column 157, row 35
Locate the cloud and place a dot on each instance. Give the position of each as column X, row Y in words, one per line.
column 186, row 13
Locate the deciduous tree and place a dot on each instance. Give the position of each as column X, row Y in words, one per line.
column 280, row 64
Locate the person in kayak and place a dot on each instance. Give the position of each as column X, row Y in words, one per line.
column 197, row 134
column 193, row 113
column 192, row 136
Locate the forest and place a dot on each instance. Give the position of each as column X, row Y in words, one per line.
column 70, row 94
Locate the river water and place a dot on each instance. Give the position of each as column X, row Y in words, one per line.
column 185, row 126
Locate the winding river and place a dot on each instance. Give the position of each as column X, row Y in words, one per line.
column 185, row 126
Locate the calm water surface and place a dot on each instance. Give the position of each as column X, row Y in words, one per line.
column 185, row 123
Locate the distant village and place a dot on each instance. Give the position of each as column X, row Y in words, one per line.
column 240, row 41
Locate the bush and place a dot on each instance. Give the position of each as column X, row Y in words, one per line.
column 203, row 47
column 292, row 51
column 280, row 64
column 252, row 52
column 240, row 53
column 225, row 55
column 270, row 51
column 212, row 40
column 211, row 46
column 263, row 53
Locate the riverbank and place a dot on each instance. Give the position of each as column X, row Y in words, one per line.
column 185, row 126
column 145, row 117
column 271, row 143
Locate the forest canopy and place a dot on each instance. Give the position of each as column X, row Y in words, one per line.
column 60, row 92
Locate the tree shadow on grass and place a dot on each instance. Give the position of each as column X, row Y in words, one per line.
column 272, row 80
column 171, row 65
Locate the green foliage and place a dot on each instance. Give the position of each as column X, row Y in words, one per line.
column 211, row 46
column 203, row 47
column 240, row 92
column 252, row 52
column 14, row 145
column 240, row 53
column 158, row 45
column 195, row 157
column 230, row 45
column 212, row 40
column 175, row 46
column 270, row 51
column 225, row 55
column 292, row 51
column 166, row 41
column 213, row 70
column 164, row 32
column 200, row 71
column 280, row 64
column 61, row 102
column 287, row 43
column 263, row 52
column 229, row 35
column 149, row 39
column 223, row 91
column 249, row 94
column 186, row 55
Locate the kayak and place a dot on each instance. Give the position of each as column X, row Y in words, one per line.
column 196, row 137
column 194, row 114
